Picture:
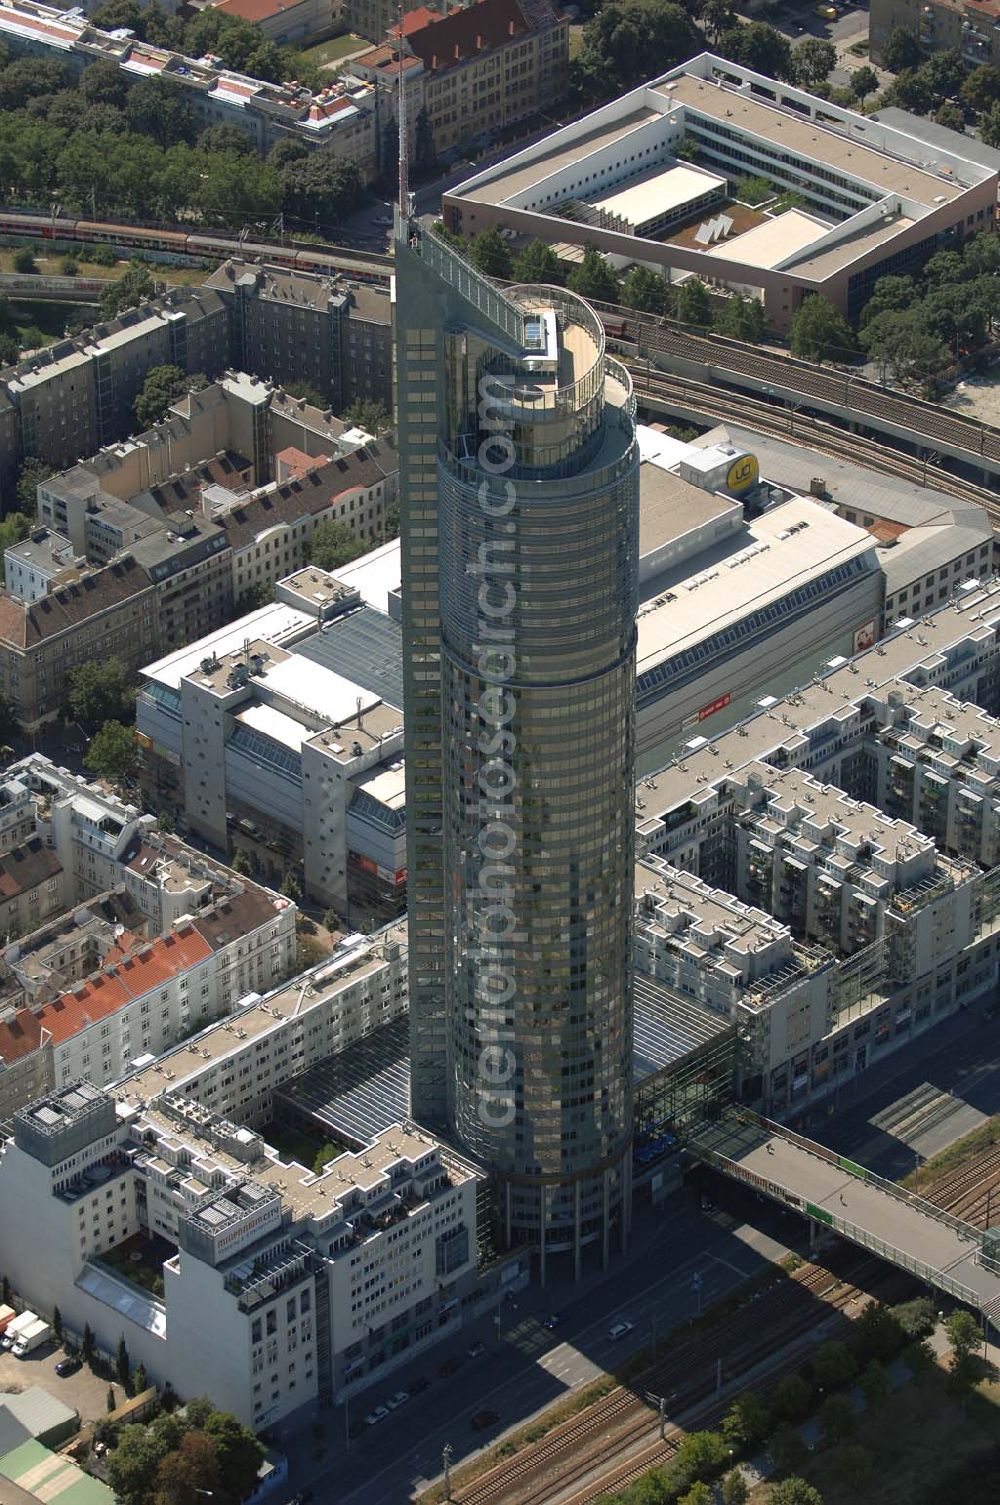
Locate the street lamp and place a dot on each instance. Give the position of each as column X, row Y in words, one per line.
column 446, row 1459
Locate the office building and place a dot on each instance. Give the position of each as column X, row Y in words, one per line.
column 281, row 737
column 652, row 179
column 963, row 26
column 532, row 1072
column 44, row 559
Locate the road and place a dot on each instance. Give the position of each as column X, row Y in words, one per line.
column 530, row 1367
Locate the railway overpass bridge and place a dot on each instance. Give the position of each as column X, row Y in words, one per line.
column 920, row 427
column 833, row 1192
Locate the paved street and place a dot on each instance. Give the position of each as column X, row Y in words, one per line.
column 531, row 1367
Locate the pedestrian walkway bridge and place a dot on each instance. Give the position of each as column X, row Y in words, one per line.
column 878, row 1215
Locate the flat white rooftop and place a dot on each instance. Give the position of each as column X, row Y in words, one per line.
column 388, row 785
column 766, row 568
column 269, row 624
column 316, row 689
column 275, row 724
column 374, row 575
column 660, row 192
column 768, row 245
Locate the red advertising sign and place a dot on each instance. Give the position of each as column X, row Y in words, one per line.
column 719, row 704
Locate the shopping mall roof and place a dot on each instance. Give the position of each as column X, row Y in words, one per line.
column 770, row 244
column 659, row 192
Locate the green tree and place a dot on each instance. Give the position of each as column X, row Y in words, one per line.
column 794, row 1491
column 745, row 1423
column 819, row 331
column 950, row 116
column 133, row 1462
column 877, row 1335
column 237, row 1453
column 57, row 1327
column 833, row 1365
column 854, row 1464
column 69, row 266
column 191, row 1471
column 758, row 46
column 226, row 138
column 989, row 126
column 787, row 1448
column 113, row 755
column 242, row 862
column 889, row 295
column 103, row 83
column 30, row 476
column 692, row 304
column 901, row 50
column 305, row 393
column 698, row 1494
column 740, row 318
column 123, row 1364
column 902, row 346
column 864, row 81
column 754, row 191
column 876, row 1386
column 917, row 1318
column 791, row 1399
column 491, row 254
column 837, row 1418
column 96, row 692
column 981, row 88
column 14, row 527
column 134, row 286
column 162, row 385
column 962, row 1331
column 718, row 16
column 159, row 108
column 537, row 263
column 368, row 414
column 594, row 278
column 324, row 188
column 140, row 1379
column 109, row 1400
column 644, row 290
column 623, row 36
column 24, row 260
column 333, row 545
column 735, row 1489
column 813, row 60
column 919, row 1357
column 87, row 1345
column 291, row 888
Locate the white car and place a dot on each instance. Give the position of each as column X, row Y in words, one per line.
column 399, row 1399
column 619, row 1330
column 379, row 1414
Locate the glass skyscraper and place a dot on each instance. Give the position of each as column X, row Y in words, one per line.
column 519, row 522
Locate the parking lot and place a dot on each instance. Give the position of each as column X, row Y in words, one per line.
column 83, row 1390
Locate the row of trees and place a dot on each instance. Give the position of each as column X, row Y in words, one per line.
column 177, row 1457
column 628, row 40
column 103, row 148
column 754, row 1421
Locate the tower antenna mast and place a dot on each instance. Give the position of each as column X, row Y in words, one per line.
column 404, row 190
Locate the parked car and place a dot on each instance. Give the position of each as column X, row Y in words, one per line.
column 553, row 1322
column 484, row 1419
column 399, row 1399
column 620, row 1329
column 379, row 1414
column 450, row 1365
column 476, row 1351
column 66, row 1366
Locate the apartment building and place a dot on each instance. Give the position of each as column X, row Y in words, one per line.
column 476, row 70
column 341, row 115
column 295, row 326
column 373, row 18
column 965, row 26
column 42, row 964
column 274, row 736
column 42, row 560
column 295, row 1287
column 33, row 884
column 287, row 22
column 72, row 397
column 108, row 613
column 859, row 813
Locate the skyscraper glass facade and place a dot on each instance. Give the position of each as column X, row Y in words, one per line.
column 519, row 481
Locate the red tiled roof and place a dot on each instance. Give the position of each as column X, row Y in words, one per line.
column 448, row 40
column 133, row 978
column 26, row 866
column 19, row 1036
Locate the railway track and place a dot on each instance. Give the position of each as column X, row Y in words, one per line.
column 971, row 1190
column 686, row 395
column 619, row 1424
column 921, row 422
